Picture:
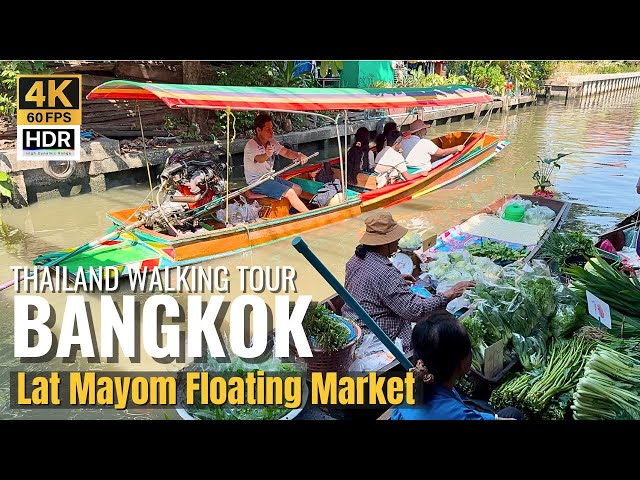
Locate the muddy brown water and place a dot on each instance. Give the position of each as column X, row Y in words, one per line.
column 599, row 177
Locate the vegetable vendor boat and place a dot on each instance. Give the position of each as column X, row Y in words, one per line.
column 183, row 228
column 465, row 236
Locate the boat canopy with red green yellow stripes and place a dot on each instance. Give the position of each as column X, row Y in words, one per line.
column 221, row 97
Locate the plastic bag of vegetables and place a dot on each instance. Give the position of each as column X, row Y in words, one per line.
column 411, row 241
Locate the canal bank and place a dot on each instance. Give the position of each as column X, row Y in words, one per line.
column 105, row 163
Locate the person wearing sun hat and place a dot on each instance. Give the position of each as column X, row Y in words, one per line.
column 381, row 289
column 418, row 150
column 390, row 164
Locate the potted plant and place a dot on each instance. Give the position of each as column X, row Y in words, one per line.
column 543, row 174
column 332, row 339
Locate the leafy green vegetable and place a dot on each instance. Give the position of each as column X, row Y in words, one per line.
column 324, row 329
column 560, row 246
column 240, row 368
column 6, row 185
column 496, row 251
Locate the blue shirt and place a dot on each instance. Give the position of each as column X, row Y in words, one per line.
column 442, row 404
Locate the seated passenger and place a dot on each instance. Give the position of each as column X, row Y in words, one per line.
column 381, row 140
column 442, row 347
column 418, row 151
column 259, row 160
column 359, row 157
column 391, row 165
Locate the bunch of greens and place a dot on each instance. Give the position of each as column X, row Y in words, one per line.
column 239, row 368
column 479, row 334
column 519, row 309
column 610, row 387
column 544, row 393
column 567, row 319
column 541, row 293
column 622, row 293
column 531, row 350
column 496, row 251
column 562, row 246
column 324, row 329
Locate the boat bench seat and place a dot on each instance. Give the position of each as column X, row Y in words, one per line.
column 365, row 180
column 273, row 208
column 250, row 195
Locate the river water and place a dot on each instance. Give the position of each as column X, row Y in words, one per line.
column 602, row 135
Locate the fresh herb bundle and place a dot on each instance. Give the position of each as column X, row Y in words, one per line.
column 324, row 329
column 562, row 246
column 496, row 251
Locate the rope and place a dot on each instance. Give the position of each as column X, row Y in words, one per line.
column 229, row 115
column 486, row 115
column 144, row 148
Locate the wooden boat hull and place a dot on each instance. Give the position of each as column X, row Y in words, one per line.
column 150, row 249
column 145, row 248
column 560, row 207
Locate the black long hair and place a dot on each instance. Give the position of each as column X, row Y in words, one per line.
column 441, row 342
column 361, row 250
column 382, row 138
column 358, row 155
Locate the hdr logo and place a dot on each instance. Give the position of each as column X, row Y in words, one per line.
column 49, row 117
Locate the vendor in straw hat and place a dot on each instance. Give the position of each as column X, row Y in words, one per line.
column 381, row 289
column 418, row 151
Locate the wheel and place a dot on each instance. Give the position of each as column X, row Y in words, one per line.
column 60, row 169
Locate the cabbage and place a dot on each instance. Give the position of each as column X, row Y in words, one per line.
column 410, row 241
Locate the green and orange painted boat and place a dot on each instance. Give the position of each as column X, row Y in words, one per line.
column 132, row 244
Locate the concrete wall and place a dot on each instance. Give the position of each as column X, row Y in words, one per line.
column 103, row 164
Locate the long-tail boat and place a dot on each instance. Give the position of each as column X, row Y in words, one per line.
column 145, row 237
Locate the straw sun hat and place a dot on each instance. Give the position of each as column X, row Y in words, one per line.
column 418, row 125
column 382, row 229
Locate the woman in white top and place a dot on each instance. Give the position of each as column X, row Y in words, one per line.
column 391, row 165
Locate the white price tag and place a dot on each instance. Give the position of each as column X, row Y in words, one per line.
column 599, row 309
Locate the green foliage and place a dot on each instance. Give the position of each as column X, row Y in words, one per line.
column 603, row 67
column 561, row 246
column 284, row 75
column 334, row 65
column 243, row 74
column 488, row 75
column 8, row 81
column 324, row 329
column 545, row 168
column 493, row 75
column 6, row 185
column 417, row 78
column 540, row 71
column 379, row 84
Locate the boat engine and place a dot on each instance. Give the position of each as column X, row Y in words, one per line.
column 194, row 177
column 188, row 180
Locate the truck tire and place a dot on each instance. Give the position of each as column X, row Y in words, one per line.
column 60, row 169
